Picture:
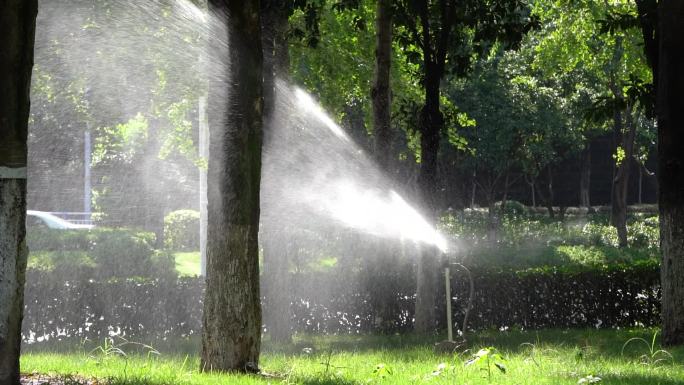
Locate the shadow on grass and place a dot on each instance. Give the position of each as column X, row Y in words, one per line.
column 636, row 379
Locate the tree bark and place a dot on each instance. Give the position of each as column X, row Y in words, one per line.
column 380, row 92
column 231, row 334
column 670, row 107
column 17, row 28
column 585, row 177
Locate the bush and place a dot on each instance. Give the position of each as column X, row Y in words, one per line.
column 513, row 208
column 181, row 230
column 123, row 254
column 59, row 240
column 99, row 252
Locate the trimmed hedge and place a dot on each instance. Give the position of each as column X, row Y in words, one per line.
column 609, row 296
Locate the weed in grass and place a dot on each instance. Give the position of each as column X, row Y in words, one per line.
column 485, row 358
column 382, row 371
column 652, row 357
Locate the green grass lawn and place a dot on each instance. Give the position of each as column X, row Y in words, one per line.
column 187, row 263
column 546, row 357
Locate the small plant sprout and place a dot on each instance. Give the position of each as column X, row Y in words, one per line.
column 328, row 365
column 382, row 371
column 653, row 356
column 485, row 358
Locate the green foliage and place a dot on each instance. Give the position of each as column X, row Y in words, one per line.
column 527, row 240
column 99, row 252
column 181, row 230
column 44, row 239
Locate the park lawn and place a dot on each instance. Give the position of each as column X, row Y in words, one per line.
column 551, row 357
column 187, row 263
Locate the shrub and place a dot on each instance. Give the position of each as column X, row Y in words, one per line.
column 513, row 208
column 99, row 252
column 53, row 240
column 181, row 230
column 120, row 253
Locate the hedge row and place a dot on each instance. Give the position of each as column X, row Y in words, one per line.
column 615, row 296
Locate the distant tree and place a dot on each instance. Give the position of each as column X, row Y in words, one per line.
column 440, row 37
column 275, row 29
column 517, row 126
column 617, row 76
column 381, row 91
column 17, row 28
column 231, row 323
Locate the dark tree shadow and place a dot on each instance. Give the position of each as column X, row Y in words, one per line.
column 637, row 379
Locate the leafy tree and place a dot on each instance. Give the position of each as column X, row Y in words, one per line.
column 17, row 26
column 518, row 126
column 582, row 36
column 438, row 37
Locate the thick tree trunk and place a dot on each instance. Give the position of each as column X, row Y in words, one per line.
column 231, row 334
column 13, row 255
column 17, row 28
column 585, row 177
column 380, row 92
column 277, row 286
column 670, row 103
column 431, row 123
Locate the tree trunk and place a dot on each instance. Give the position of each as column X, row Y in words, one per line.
column 431, row 123
column 640, row 198
column 670, row 104
column 585, row 177
column 493, row 219
column 17, row 28
column 231, row 334
column 473, row 189
column 381, row 295
column 621, row 182
column 547, row 198
column 380, row 93
column 277, row 287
